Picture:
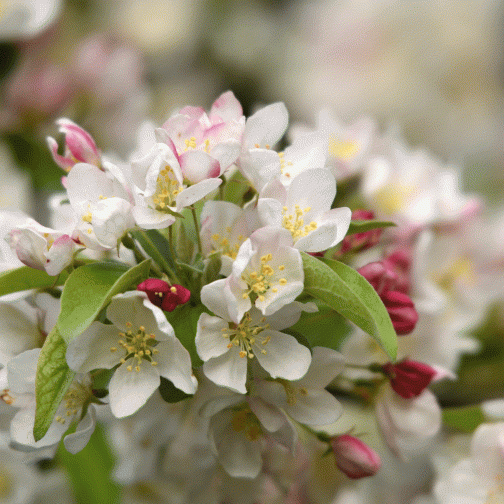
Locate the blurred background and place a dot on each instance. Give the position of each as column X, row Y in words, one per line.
column 432, row 69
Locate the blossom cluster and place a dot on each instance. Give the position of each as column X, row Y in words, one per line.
column 194, row 297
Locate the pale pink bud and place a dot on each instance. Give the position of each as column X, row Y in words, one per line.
column 79, row 146
column 402, row 311
column 355, row 458
column 164, row 295
column 409, row 378
column 361, row 241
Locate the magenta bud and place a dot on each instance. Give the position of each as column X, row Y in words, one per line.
column 379, row 276
column 355, row 458
column 409, row 378
column 177, row 295
column 164, row 295
column 79, row 146
column 402, row 311
column 361, row 241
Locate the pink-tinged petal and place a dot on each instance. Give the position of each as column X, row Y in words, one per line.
column 163, row 137
column 226, row 153
column 226, row 107
column 284, row 357
column 197, row 165
column 174, row 364
column 266, row 127
column 62, row 161
column 274, row 189
column 326, row 365
column 213, row 297
column 210, row 341
column 240, row 457
column 228, row 370
column 196, row 192
column 92, row 349
column 355, row 458
column 29, row 247
column 79, row 142
column 78, row 440
column 60, row 255
column 129, row 390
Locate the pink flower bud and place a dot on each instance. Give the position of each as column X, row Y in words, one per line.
column 402, row 311
column 409, row 378
column 379, row 276
column 79, row 146
column 355, row 458
column 164, row 295
column 400, row 263
column 361, row 241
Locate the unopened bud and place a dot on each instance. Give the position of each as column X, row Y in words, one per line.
column 379, row 276
column 409, row 378
column 79, row 146
column 177, row 295
column 402, row 311
column 361, row 241
column 164, row 295
column 355, row 458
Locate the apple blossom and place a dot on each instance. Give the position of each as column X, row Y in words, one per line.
column 142, row 342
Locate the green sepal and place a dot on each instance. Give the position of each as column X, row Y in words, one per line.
column 350, row 294
column 52, row 380
column 90, row 288
column 361, row 226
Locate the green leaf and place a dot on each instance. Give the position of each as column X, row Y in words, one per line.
column 157, row 246
column 25, row 278
column 90, row 471
column 361, row 226
column 325, row 328
column 51, row 382
column 170, row 393
column 184, row 320
column 90, row 288
column 236, row 188
column 465, row 419
column 350, row 294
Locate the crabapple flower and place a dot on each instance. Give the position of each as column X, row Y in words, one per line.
column 42, row 248
column 101, row 203
column 409, row 378
column 267, row 273
column 79, row 146
column 164, row 295
column 355, row 458
column 159, row 189
column 224, row 227
column 20, row 393
column 205, row 145
column 304, row 209
column 226, row 347
column 142, row 342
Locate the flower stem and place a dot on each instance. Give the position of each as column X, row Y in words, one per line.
column 196, row 225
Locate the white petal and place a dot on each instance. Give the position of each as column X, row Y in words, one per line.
column 316, row 407
column 129, row 390
column 228, row 370
column 91, row 349
column 76, row 441
column 326, row 365
column 266, row 126
column 196, row 192
column 209, row 340
column 21, row 371
column 226, row 153
column 284, row 357
column 212, row 296
column 174, row 364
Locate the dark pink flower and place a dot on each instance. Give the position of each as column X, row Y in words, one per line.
column 409, row 378
column 355, row 458
column 164, row 295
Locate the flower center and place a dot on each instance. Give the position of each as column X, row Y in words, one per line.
column 462, row 269
column 167, row 188
column 261, row 282
column 190, row 143
column 76, row 397
column 245, row 335
column 222, row 244
column 138, row 346
column 245, row 421
column 295, row 222
column 291, row 392
column 393, row 197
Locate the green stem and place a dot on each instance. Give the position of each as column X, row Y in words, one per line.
column 196, row 225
